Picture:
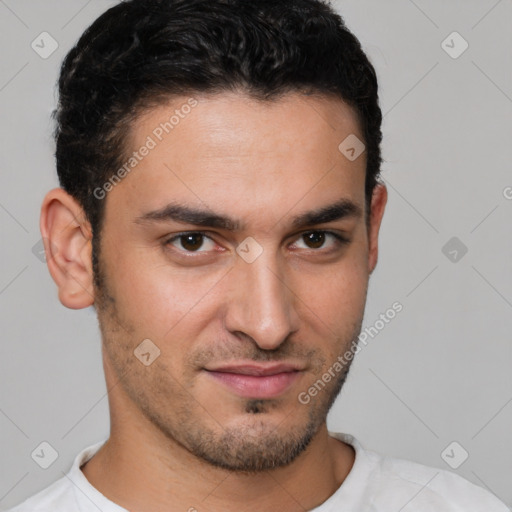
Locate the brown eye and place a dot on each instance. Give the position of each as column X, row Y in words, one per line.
column 190, row 242
column 322, row 241
column 314, row 240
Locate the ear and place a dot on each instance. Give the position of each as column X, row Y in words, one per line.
column 67, row 237
column 378, row 204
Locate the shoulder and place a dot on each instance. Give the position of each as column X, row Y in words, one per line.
column 71, row 492
column 428, row 487
column 398, row 483
column 57, row 497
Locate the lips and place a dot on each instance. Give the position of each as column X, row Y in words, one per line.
column 256, row 381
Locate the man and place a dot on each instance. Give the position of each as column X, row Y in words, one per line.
column 220, row 208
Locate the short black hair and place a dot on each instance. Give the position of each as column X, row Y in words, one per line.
column 141, row 53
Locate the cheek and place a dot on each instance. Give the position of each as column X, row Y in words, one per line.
column 333, row 306
column 337, row 292
column 157, row 299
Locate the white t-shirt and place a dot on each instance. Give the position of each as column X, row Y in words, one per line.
column 376, row 483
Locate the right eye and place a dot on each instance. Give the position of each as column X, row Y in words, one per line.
column 190, row 241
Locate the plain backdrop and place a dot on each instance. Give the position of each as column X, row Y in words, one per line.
column 437, row 374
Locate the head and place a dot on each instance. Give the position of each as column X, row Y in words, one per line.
column 227, row 118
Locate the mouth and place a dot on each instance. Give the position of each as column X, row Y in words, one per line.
column 256, row 381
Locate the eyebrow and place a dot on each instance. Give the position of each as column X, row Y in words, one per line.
column 341, row 209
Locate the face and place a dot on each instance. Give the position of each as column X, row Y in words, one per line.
column 237, row 247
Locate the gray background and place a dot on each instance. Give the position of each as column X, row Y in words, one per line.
column 439, row 372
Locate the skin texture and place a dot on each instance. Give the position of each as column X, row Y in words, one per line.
column 180, row 438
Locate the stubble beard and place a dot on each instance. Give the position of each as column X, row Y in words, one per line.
column 251, row 447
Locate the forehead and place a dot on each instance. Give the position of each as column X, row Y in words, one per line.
column 243, row 154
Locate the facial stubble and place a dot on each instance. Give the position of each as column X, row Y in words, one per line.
column 254, row 445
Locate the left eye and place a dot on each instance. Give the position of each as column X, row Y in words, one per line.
column 317, row 239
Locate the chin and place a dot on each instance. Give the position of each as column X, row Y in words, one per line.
column 253, row 444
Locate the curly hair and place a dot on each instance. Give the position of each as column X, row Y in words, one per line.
column 141, row 53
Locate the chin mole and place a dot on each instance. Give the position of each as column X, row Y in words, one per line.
column 255, row 406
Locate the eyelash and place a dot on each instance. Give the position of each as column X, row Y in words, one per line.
column 341, row 240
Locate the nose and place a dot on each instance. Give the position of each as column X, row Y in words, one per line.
column 263, row 304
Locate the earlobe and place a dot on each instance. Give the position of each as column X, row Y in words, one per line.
column 378, row 205
column 67, row 237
